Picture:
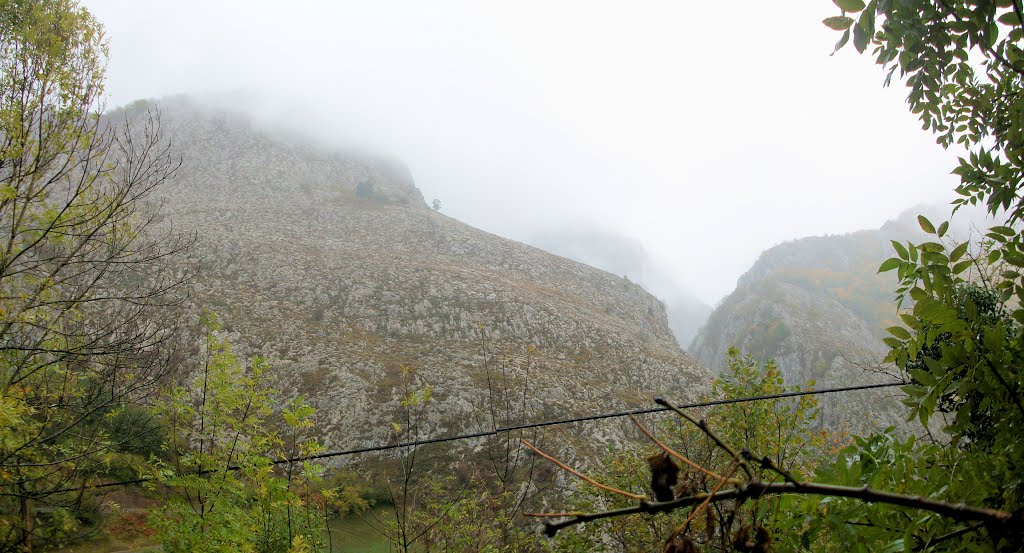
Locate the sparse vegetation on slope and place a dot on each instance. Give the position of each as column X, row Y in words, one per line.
column 338, row 290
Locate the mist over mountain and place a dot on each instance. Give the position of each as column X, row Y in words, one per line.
column 625, row 256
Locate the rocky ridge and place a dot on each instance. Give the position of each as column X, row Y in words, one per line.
column 332, row 267
column 817, row 307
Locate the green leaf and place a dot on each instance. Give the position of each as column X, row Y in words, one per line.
column 958, row 252
column 1006, row 231
column 889, row 264
column 838, row 23
column 962, row 266
column 934, row 366
column 842, row 41
column 935, row 312
column 852, row 6
column 1015, row 259
column 860, row 39
column 926, row 225
column 914, row 390
column 899, row 332
column 1009, row 18
column 895, row 546
column 943, row 228
column 900, row 250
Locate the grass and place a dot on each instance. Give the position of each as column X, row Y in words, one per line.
column 352, row 534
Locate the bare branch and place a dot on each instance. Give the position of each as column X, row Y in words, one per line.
column 718, row 486
column 703, row 426
column 583, row 477
column 677, row 455
column 956, row 511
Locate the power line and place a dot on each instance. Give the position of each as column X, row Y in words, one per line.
column 587, row 418
column 513, row 428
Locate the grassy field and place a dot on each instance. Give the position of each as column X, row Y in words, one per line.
column 352, row 535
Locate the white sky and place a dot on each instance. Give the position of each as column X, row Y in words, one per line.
column 709, row 131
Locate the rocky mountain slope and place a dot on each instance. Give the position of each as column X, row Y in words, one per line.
column 817, row 307
column 332, row 266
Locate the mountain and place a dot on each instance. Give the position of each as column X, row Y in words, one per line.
column 818, row 307
column 331, row 266
column 621, row 255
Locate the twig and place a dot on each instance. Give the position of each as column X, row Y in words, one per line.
column 734, row 466
column 703, row 426
column 554, row 515
column 678, row 455
column 585, row 478
column 955, row 534
column 955, row 511
column 767, row 463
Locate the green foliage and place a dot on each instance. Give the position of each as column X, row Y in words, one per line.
column 466, row 516
column 908, row 466
column 77, row 347
column 351, row 495
column 961, row 353
column 470, row 505
column 778, row 428
column 781, row 429
column 931, row 44
column 224, row 493
column 960, row 346
column 766, row 339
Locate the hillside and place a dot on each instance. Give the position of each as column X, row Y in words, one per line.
column 331, row 265
column 816, row 306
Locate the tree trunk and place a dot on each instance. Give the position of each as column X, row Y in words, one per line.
column 26, row 521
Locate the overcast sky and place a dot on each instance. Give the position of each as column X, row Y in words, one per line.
column 707, row 131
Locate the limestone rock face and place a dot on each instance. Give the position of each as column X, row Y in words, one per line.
column 817, row 307
column 332, row 267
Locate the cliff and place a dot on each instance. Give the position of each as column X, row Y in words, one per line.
column 818, row 307
column 331, row 265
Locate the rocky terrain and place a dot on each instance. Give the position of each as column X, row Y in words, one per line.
column 817, row 307
column 331, row 265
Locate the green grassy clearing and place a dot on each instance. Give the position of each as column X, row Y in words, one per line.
column 352, row 534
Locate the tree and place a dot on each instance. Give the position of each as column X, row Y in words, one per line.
column 223, row 492
column 780, row 428
column 81, row 269
column 931, row 44
column 962, row 347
